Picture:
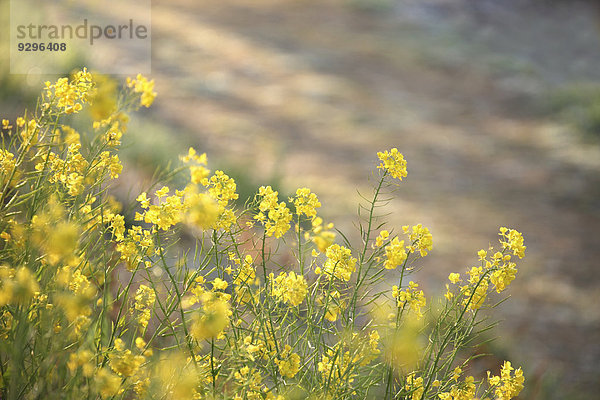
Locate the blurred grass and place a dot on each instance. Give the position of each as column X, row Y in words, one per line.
column 577, row 104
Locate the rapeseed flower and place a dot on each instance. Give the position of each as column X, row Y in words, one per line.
column 393, row 163
column 395, row 254
column 339, row 264
column 421, row 239
column 513, row 241
column 411, row 297
column 306, row 202
column 507, row 385
column 142, row 85
column 290, row 288
column 145, row 298
column 288, row 362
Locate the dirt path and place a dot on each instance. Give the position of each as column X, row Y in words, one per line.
column 310, row 91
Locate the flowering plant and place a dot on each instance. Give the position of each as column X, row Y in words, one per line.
column 269, row 302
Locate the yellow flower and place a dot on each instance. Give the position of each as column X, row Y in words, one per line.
column 421, row 239
column 415, row 386
column 198, row 173
column 456, row 373
column 394, row 253
column 212, row 319
column 7, row 163
column 125, row 363
column 17, row 287
column 334, row 305
column 323, row 235
column 478, row 295
column 393, row 162
column 513, row 241
column 68, row 96
column 118, row 227
column 454, row 277
column 246, row 273
column 219, row 284
column 143, row 200
column 162, row 192
column 107, row 383
column 507, row 385
column 340, row 263
column 202, row 210
column 290, row 288
column 275, row 216
column 503, row 276
column 288, row 362
column 144, row 302
column 411, row 297
column 306, row 203
column 141, row 85
column 369, row 348
column 383, row 235
column 221, row 187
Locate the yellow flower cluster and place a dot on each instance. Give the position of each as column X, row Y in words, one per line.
column 414, row 385
column 274, row 215
column 496, row 269
column 393, row 162
column 17, row 287
column 335, row 366
column 395, row 254
column 323, row 236
column 69, row 172
column 7, row 164
column 513, row 241
column 202, row 210
column 6, row 125
column 288, row 362
column 167, row 213
column 107, row 384
column 465, row 391
column 211, row 320
column 55, row 236
column 144, row 303
column 507, row 385
column 82, row 359
column 75, row 171
column 290, row 288
column 141, row 85
column 69, row 95
column 114, row 134
column 381, row 238
column 77, row 302
column 246, row 273
column 339, row 264
column 475, row 292
column 370, row 348
column 199, row 172
column 137, row 243
column 306, row 202
column 411, row 297
column 420, row 237
column 124, row 362
column 222, row 189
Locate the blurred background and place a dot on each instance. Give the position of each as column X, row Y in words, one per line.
column 494, row 103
